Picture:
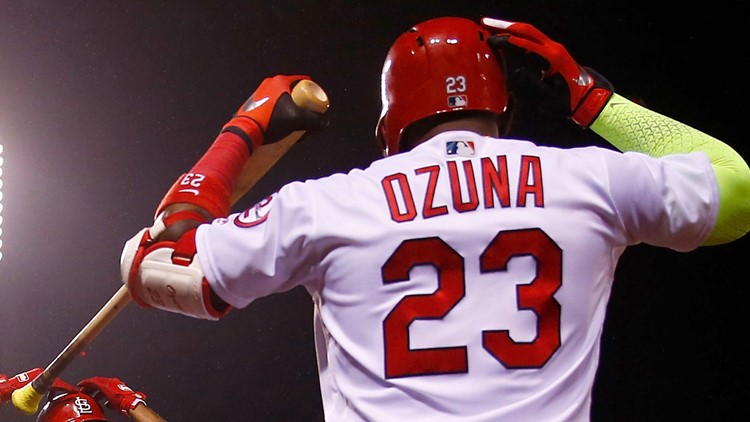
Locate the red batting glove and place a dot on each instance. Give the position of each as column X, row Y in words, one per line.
column 550, row 74
column 268, row 116
column 118, row 396
column 9, row 385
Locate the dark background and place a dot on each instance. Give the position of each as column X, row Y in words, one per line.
column 104, row 104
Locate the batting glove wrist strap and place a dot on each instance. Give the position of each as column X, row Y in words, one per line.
column 593, row 100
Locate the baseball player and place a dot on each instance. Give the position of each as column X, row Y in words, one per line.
column 66, row 403
column 464, row 276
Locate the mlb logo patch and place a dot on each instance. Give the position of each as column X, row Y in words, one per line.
column 460, row 148
column 457, row 101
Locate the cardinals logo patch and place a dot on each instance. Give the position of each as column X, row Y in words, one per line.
column 82, row 406
column 255, row 215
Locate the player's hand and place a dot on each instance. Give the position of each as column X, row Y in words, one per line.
column 9, row 385
column 117, row 395
column 270, row 114
column 547, row 74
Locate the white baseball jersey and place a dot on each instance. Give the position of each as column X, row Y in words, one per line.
column 466, row 279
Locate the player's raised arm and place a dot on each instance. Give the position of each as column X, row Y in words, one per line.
column 159, row 264
column 631, row 127
column 560, row 85
column 266, row 117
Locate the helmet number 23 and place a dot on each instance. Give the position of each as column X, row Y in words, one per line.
column 537, row 296
column 455, row 84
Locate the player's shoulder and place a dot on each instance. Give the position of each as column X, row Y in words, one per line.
column 333, row 185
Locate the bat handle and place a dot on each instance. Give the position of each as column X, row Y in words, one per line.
column 27, row 398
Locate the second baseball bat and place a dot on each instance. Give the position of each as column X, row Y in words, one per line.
column 27, row 399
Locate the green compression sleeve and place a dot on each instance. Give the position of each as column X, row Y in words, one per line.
column 631, row 127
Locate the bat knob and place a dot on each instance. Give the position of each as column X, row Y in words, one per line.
column 26, row 399
column 309, row 95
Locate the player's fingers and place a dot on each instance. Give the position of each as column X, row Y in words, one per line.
column 517, row 55
column 521, row 30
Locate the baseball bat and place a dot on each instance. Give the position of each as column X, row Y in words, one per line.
column 27, row 398
column 306, row 94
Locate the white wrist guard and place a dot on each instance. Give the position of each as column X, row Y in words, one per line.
column 159, row 278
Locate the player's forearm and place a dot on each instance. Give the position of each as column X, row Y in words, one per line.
column 631, row 127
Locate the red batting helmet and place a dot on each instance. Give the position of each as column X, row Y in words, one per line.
column 66, row 406
column 438, row 66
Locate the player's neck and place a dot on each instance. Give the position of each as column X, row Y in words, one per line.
column 479, row 125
